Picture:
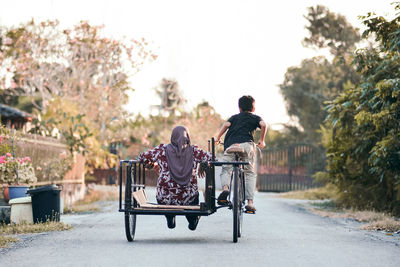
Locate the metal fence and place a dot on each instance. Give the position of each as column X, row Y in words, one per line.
column 289, row 168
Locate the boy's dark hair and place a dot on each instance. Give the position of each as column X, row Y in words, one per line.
column 246, row 103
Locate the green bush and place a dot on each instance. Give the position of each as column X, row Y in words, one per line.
column 364, row 149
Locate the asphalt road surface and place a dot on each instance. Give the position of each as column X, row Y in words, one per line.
column 282, row 233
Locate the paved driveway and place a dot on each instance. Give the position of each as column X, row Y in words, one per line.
column 282, row 233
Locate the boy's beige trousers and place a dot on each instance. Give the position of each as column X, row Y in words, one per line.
column 249, row 170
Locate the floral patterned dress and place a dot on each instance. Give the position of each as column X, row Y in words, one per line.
column 168, row 191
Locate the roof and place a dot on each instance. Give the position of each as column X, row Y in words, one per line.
column 9, row 112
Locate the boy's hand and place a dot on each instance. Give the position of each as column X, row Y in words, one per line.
column 261, row 144
column 217, row 142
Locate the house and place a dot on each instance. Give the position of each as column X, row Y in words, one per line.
column 15, row 118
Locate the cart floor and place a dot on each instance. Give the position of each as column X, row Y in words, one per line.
column 140, row 197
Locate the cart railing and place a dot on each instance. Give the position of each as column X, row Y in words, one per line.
column 134, row 171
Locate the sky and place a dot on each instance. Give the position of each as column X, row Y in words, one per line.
column 217, row 50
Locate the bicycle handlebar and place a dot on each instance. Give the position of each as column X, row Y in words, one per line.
column 236, row 163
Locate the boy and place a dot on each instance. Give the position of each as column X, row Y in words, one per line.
column 240, row 132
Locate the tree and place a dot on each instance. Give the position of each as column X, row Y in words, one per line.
column 40, row 58
column 170, row 96
column 202, row 121
column 330, row 30
column 306, row 87
column 282, row 138
column 364, row 144
column 79, row 66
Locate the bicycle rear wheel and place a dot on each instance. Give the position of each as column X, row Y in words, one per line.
column 130, row 219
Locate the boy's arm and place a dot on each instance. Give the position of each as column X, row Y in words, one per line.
column 224, row 127
column 261, row 142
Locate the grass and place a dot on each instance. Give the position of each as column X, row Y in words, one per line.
column 321, row 193
column 387, row 224
column 371, row 220
column 28, row 228
column 91, row 201
column 5, row 241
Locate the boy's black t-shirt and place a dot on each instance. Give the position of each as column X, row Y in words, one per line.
column 242, row 128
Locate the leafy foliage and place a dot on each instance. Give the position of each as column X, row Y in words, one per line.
column 171, row 97
column 283, row 138
column 13, row 170
column 4, row 147
column 316, row 80
column 203, row 122
column 363, row 150
column 330, row 30
column 66, row 73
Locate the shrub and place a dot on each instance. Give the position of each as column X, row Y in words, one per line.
column 363, row 152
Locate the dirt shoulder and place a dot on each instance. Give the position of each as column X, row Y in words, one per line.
column 322, row 203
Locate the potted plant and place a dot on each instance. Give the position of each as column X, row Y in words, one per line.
column 16, row 172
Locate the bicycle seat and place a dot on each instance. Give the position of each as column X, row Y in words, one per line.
column 236, row 148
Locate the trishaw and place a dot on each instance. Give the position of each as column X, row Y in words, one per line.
column 133, row 201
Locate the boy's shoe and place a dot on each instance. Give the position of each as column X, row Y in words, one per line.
column 223, row 198
column 250, row 209
column 193, row 223
column 171, row 222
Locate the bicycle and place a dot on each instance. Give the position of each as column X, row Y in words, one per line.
column 238, row 180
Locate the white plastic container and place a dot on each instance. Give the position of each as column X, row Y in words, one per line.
column 21, row 210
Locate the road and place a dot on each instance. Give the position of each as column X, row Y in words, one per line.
column 282, row 233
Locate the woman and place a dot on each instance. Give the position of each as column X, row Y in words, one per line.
column 177, row 182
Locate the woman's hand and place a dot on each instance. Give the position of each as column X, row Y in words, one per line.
column 154, row 166
column 149, row 165
column 201, row 173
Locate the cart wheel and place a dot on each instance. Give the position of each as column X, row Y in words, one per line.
column 130, row 226
column 130, row 219
column 236, row 206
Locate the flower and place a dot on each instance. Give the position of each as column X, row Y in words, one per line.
column 8, row 41
column 16, row 170
column 13, row 170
